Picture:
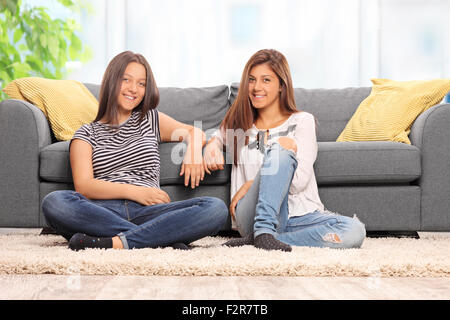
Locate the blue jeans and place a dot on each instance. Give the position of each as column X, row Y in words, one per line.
column 138, row 226
column 264, row 209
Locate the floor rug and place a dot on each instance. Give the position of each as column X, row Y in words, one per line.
column 378, row 257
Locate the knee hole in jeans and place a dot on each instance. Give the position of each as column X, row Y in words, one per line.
column 332, row 237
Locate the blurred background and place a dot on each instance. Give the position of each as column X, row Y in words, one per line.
column 328, row 43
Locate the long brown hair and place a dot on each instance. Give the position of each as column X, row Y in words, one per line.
column 242, row 114
column 111, row 83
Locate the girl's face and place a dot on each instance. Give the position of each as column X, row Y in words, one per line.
column 132, row 89
column 263, row 87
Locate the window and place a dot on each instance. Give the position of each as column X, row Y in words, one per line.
column 414, row 39
column 328, row 43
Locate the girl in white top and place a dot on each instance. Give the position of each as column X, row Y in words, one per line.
column 274, row 196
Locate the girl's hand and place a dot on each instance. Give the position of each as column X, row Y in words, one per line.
column 213, row 158
column 238, row 196
column 192, row 167
column 149, row 196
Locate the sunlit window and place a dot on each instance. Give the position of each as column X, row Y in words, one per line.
column 328, row 43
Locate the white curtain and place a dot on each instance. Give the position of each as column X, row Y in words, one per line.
column 328, row 43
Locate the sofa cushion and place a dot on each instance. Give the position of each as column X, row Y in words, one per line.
column 389, row 111
column 171, row 155
column 67, row 104
column 366, row 163
column 337, row 163
column 54, row 162
column 55, row 165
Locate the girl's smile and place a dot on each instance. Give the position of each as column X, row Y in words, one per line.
column 132, row 89
column 264, row 87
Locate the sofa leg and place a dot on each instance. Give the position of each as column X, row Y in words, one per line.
column 228, row 233
column 47, row 230
column 392, row 234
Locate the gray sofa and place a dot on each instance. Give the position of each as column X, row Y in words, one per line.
column 389, row 186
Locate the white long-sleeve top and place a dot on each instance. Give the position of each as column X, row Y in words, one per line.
column 303, row 192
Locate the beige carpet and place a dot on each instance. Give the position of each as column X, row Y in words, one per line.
column 378, row 257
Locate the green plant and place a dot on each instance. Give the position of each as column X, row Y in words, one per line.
column 32, row 44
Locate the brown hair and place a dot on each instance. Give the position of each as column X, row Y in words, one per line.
column 111, row 84
column 242, row 114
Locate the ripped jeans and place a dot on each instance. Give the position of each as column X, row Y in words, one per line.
column 264, row 209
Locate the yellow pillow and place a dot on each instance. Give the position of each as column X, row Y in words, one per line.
column 67, row 104
column 391, row 108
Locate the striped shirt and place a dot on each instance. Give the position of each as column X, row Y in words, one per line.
column 127, row 153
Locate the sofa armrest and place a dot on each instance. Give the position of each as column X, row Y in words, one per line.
column 24, row 130
column 431, row 134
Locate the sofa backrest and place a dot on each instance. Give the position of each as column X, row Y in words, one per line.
column 188, row 105
column 207, row 104
column 332, row 108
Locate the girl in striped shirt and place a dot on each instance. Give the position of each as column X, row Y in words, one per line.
column 117, row 202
